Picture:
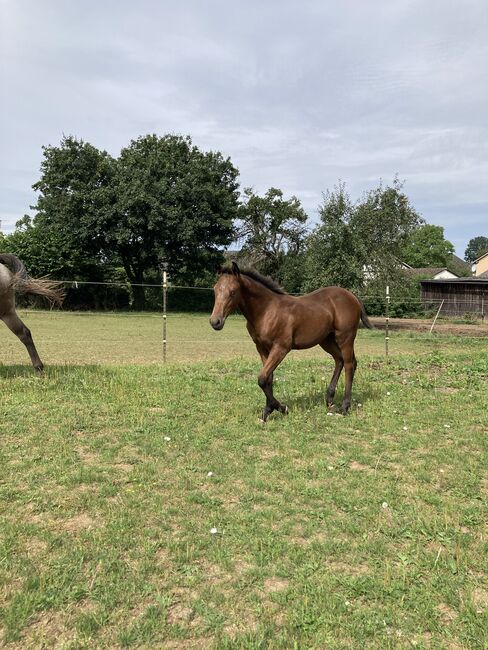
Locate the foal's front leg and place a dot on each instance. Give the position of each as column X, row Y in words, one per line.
column 265, row 379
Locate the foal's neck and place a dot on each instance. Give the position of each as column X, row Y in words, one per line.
column 256, row 299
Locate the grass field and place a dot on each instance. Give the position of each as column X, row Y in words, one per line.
column 365, row 531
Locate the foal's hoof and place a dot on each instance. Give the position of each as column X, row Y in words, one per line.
column 284, row 409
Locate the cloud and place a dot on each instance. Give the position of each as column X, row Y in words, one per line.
column 297, row 94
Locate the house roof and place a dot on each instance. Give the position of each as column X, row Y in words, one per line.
column 478, row 279
column 458, row 260
column 429, row 270
column 480, row 257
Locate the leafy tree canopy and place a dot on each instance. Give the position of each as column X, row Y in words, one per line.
column 270, row 225
column 354, row 241
column 476, row 247
column 426, row 246
column 161, row 199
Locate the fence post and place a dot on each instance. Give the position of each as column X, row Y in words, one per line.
column 436, row 317
column 387, row 327
column 164, row 269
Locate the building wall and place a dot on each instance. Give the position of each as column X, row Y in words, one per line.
column 482, row 265
column 459, row 298
column 444, row 275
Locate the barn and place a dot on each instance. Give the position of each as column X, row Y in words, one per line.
column 460, row 295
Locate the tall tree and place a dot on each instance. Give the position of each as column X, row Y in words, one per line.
column 48, row 250
column 75, row 193
column 382, row 223
column 270, row 229
column 172, row 202
column 476, row 247
column 161, row 199
column 361, row 240
column 331, row 248
column 427, row 246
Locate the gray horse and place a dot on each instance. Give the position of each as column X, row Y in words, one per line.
column 14, row 278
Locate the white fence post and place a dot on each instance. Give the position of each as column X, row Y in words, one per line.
column 387, row 327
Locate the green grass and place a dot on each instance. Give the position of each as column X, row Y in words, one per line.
column 365, row 531
column 125, row 338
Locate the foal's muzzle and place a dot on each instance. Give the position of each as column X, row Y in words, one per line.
column 217, row 323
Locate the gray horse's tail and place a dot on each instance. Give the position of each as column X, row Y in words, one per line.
column 365, row 320
column 23, row 283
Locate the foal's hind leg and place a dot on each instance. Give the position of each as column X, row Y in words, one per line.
column 346, row 344
column 270, row 361
column 13, row 322
column 330, row 346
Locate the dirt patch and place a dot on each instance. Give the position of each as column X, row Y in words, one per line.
column 242, row 567
column 448, row 390
column 86, row 457
column 348, row 569
column 358, row 467
column 480, row 599
column 275, row 585
column 78, row 523
column 187, row 644
column 179, row 613
column 124, row 467
column 435, row 547
column 49, row 630
column 441, row 327
column 215, row 573
column 446, row 614
column 246, row 625
column 35, row 547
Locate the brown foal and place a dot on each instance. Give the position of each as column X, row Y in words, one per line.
column 278, row 323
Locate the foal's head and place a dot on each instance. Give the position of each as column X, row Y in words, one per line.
column 227, row 296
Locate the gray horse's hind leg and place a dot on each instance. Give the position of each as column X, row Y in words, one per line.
column 13, row 322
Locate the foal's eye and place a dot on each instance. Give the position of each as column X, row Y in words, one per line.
column 233, row 293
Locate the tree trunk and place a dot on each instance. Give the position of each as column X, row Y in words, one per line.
column 138, row 297
column 136, row 277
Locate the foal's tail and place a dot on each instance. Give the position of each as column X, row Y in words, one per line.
column 23, row 283
column 364, row 317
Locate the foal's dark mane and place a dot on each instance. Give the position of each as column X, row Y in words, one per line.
column 257, row 277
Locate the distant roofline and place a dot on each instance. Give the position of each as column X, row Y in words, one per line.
column 471, row 280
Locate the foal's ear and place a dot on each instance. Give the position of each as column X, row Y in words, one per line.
column 235, row 269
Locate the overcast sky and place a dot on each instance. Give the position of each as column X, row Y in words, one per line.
column 298, row 94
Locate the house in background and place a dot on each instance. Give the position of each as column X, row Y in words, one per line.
column 480, row 266
column 433, row 273
column 457, row 297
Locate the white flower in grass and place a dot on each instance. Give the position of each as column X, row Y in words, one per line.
column 167, row 438
column 213, row 531
column 447, row 426
column 388, row 392
column 405, row 428
column 210, row 474
column 329, row 413
column 329, row 467
column 384, row 505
